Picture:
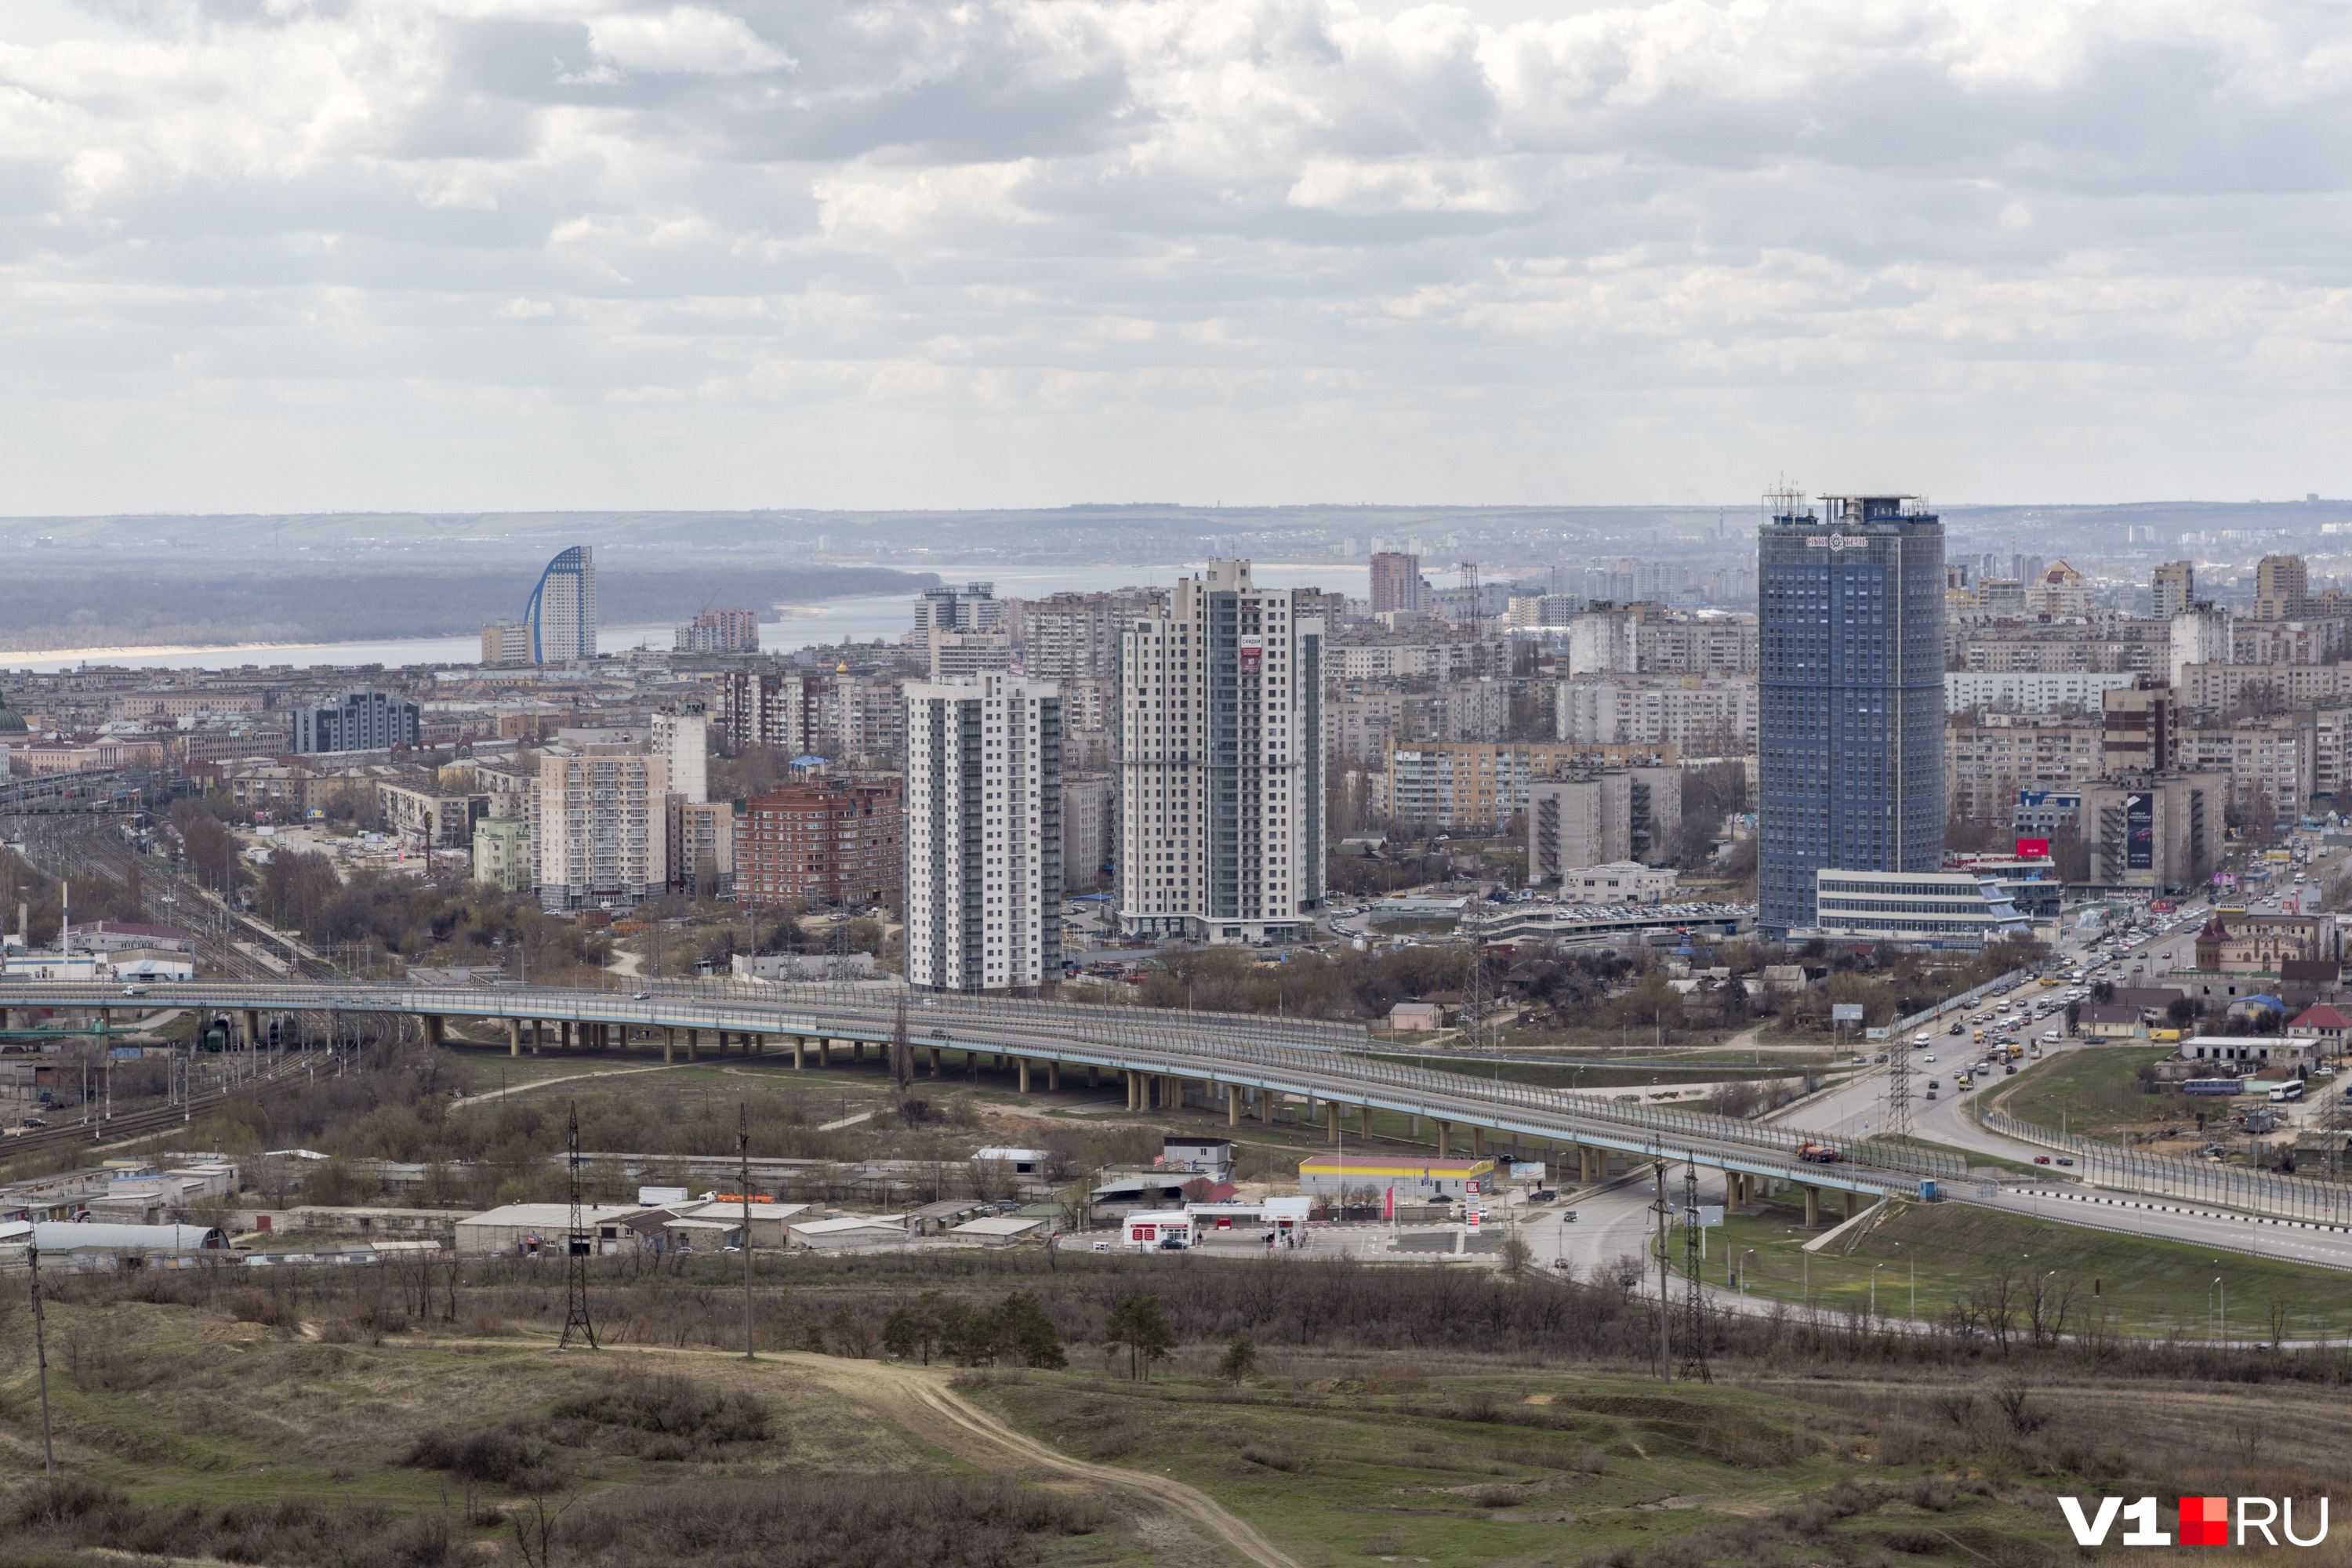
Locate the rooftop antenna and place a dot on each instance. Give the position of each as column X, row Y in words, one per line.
column 578, row 1244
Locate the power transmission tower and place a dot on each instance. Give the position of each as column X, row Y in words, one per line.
column 1664, row 1211
column 1477, row 998
column 1469, row 570
column 1896, row 1123
column 902, row 1050
column 579, row 1243
column 1694, row 1294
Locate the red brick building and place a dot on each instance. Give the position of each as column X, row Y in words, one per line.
column 824, row 841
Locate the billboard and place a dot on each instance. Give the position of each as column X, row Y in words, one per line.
column 2140, row 832
column 1846, row 1012
column 2033, row 849
column 1253, row 655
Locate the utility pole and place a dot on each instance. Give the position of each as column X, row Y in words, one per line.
column 1666, row 1291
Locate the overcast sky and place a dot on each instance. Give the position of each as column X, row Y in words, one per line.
column 277, row 254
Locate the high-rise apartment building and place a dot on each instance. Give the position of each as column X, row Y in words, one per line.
column 1396, row 583
column 682, row 734
column 1067, row 638
column 2282, row 588
column 2140, row 728
column 718, row 631
column 360, row 720
column 973, row 607
column 2175, row 589
column 506, row 642
column 1220, row 752
column 701, row 846
column 772, row 708
column 955, row 655
column 562, row 614
column 821, row 841
column 602, row 827
column 1852, row 687
column 983, row 808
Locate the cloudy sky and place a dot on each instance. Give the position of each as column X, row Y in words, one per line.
column 323, row 254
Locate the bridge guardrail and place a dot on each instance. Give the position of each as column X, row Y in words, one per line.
column 2149, row 1176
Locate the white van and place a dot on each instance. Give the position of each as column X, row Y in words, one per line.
column 1920, row 1042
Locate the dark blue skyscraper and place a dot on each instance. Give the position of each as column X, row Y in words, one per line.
column 1852, row 685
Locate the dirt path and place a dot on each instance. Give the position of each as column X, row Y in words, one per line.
column 574, row 1077
column 918, row 1399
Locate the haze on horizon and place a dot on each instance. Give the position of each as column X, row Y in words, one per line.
column 427, row 254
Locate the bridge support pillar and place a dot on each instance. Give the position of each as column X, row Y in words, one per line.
column 1232, row 1105
column 433, row 1028
column 670, row 1044
column 1477, row 1143
column 1024, row 1075
column 935, row 1061
column 1812, row 1207
column 1445, row 1140
column 538, row 1034
column 1365, row 1114
column 694, row 1045
column 799, row 1044
column 1127, row 1075
column 514, row 1036
column 1053, row 1077
column 1093, row 1076
column 252, row 1029
column 1846, row 1208
column 1331, row 1111
column 858, row 1053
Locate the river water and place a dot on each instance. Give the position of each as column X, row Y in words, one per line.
column 857, row 619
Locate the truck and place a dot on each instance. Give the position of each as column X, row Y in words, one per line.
column 1819, row 1153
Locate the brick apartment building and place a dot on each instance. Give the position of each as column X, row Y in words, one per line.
column 822, row 841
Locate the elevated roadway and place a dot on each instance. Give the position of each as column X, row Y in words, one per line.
column 1235, row 1059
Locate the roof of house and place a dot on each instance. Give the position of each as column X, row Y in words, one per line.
column 552, row 1216
column 1008, row 1224
column 2320, row 1016
column 2107, row 1013
column 2318, row 970
column 849, row 1223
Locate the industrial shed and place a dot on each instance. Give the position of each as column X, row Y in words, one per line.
column 82, row 1236
column 998, row 1232
column 538, row 1229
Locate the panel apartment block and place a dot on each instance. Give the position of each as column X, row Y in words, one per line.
column 984, row 858
column 602, row 827
column 1221, row 758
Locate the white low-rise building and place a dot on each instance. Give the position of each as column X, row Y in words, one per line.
column 1618, row 882
column 1931, row 909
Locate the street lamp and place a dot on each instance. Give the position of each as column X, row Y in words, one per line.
column 1743, row 1270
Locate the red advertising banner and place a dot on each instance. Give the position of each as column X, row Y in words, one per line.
column 2032, row 849
column 1253, row 655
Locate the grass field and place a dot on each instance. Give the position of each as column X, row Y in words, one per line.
column 2145, row 1287
column 2092, row 1090
column 1335, row 1456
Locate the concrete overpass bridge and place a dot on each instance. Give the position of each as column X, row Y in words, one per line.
column 1241, row 1062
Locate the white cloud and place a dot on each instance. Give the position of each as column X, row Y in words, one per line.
column 687, row 39
column 1286, row 249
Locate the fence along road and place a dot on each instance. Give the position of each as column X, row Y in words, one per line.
column 1158, row 1051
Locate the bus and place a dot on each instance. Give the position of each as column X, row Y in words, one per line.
column 2287, row 1091
column 2212, row 1086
